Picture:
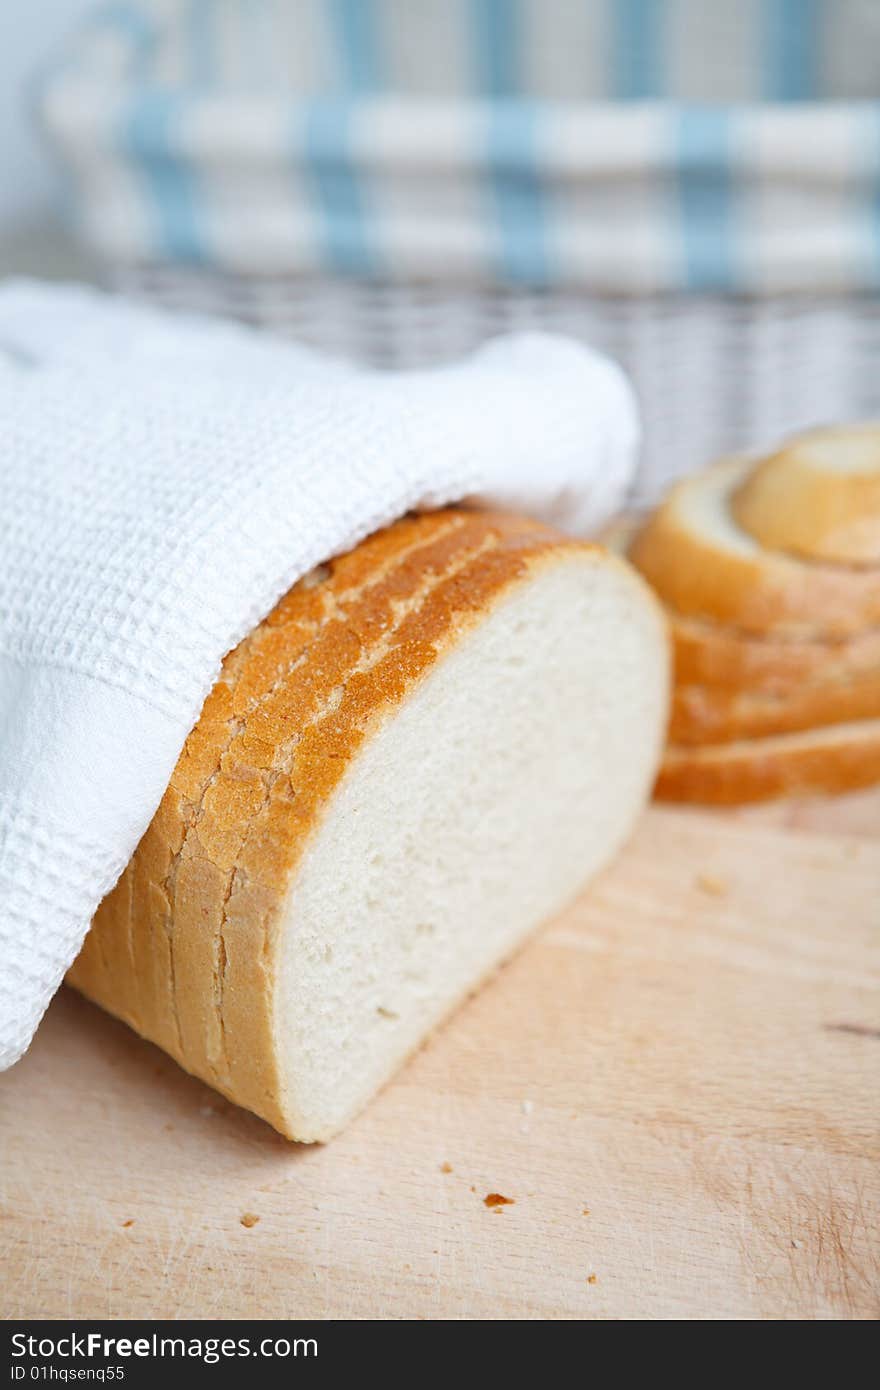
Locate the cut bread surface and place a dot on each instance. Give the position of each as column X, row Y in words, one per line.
column 704, row 565
column 768, row 570
column 482, row 832
column 818, row 496
column 422, row 753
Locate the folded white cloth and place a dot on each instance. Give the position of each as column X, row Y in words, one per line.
column 164, row 481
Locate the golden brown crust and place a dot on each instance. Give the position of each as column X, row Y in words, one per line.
column 704, row 714
column 839, row 759
column 710, row 654
column 818, row 496
column 774, row 620
column 758, row 591
column 200, row 900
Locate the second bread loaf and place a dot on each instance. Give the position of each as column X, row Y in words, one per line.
column 770, row 572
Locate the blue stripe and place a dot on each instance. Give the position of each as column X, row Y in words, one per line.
column 513, row 148
column 496, row 25
column 141, row 33
column 131, row 21
column 512, row 153
column 150, row 140
column 336, row 189
column 356, row 30
column 706, row 198
column 200, row 42
column 791, row 50
column 637, row 48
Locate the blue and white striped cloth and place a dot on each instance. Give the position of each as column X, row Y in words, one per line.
column 617, row 145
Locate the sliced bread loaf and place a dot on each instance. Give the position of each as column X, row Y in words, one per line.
column 703, row 565
column 769, row 572
column 818, row 496
column 423, row 752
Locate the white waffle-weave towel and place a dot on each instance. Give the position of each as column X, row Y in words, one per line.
column 163, row 482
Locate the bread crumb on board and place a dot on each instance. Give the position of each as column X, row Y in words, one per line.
column 249, row 1219
column 495, row 1199
column 445, row 1167
column 592, row 1279
column 713, row 885
column 129, row 1222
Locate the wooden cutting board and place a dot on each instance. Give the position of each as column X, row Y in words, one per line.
column 676, row 1084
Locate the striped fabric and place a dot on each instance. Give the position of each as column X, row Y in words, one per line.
column 615, row 145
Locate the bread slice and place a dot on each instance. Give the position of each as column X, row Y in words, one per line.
column 424, row 751
column 818, row 496
column 839, row 758
column 708, row 653
column 716, row 714
column 712, row 653
column 703, row 565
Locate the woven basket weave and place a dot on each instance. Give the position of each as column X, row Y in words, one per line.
column 713, row 373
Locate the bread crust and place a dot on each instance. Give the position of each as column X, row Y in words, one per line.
column 703, row 714
column 758, row 591
column 837, row 759
column 708, row 653
column 716, row 654
column 769, row 573
column 185, row 948
column 797, row 500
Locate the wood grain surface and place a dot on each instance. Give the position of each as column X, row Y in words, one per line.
column 676, row 1084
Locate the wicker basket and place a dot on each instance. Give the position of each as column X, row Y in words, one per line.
column 727, row 256
column 713, row 373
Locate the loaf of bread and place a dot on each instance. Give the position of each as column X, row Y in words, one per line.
column 770, row 572
column 424, row 751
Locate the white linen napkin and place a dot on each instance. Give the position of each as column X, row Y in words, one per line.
column 164, row 482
